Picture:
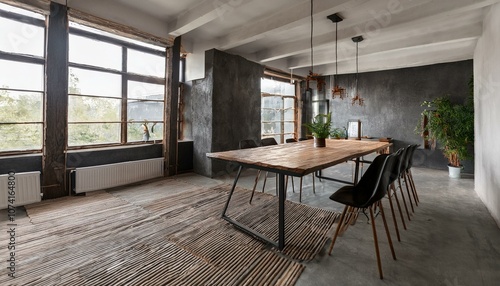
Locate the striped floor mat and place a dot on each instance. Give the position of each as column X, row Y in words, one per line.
column 180, row 239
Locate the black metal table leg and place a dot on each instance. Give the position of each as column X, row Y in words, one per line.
column 232, row 191
column 281, row 216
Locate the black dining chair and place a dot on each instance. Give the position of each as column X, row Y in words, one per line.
column 409, row 175
column 265, row 142
column 391, row 190
column 368, row 193
column 404, row 165
column 247, row 144
column 292, row 140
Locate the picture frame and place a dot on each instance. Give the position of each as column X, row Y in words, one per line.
column 354, row 129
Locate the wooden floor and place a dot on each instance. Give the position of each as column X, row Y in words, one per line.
column 166, row 232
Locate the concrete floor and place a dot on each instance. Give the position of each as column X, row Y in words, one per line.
column 451, row 240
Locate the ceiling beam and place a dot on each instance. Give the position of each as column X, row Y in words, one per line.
column 203, row 13
column 432, row 11
column 284, row 19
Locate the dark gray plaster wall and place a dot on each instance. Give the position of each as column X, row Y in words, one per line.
column 225, row 108
column 393, row 103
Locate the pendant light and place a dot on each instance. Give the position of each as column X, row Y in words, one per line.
column 357, row 98
column 336, row 89
column 313, row 76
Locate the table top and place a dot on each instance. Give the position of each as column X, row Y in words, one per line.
column 300, row 158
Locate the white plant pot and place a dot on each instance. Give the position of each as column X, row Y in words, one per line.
column 454, row 172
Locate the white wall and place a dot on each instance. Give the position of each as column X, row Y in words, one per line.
column 487, row 112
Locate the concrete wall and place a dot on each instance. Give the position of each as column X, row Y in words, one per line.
column 392, row 104
column 225, row 108
column 487, row 115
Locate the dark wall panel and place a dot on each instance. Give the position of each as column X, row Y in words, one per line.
column 20, row 164
column 393, row 103
column 85, row 158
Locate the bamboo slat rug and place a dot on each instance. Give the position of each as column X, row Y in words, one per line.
column 179, row 239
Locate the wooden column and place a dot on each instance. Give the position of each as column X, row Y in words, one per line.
column 56, row 104
column 171, row 104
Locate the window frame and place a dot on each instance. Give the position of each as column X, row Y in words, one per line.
column 282, row 110
column 30, row 59
column 125, row 78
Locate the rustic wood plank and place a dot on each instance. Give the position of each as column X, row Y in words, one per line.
column 301, row 158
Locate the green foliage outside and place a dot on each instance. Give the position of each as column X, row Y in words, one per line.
column 452, row 125
column 20, row 107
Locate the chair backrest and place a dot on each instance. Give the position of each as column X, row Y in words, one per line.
column 396, row 167
column 410, row 156
column 268, row 142
column 406, row 158
column 290, row 140
column 367, row 186
column 385, row 179
column 247, row 143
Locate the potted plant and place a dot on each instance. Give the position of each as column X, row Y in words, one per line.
column 320, row 128
column 452, row 126
column 338, row 133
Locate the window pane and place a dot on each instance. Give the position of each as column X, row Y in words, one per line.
column 289, row 102
column 17, row 75
column 21, row 11
column 20, row 137
column 277, row 87
column 271, row 128
column 145, row 64
column 93, row 109
column 21, row 38
column 289, row 127
column 272, row 102
column 144, row 110
column 289, row 115
column 270, row 115
column 20, row 106
column 98, row 133
column 142, row 90
column 136, row 132
column 93, row 52
column 89, row 82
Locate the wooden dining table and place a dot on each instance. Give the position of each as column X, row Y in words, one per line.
column 293, row 159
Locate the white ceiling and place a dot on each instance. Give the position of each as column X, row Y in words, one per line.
column 398, row 33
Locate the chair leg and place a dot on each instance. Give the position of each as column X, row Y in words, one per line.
column 413, row 188
column 293, row 187
column 341, row 221
column 254, row 186
column 387, row 230
column 397, row 203
column 377, row 252
column 408, row 191
column 393, row 214
column 404, row 200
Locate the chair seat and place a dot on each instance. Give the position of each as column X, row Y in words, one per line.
column 348, row 196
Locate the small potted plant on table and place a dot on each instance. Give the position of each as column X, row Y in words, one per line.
column 320, row 128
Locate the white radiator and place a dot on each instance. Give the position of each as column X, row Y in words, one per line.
column 107, row 176
column 27, row 189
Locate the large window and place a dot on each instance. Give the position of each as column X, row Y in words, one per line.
column 278, row 110
column 22, row 49
column 116, row 89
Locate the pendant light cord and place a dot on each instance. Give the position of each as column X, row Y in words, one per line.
column 336, row 48
column 357, row 70
column 312, row 29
